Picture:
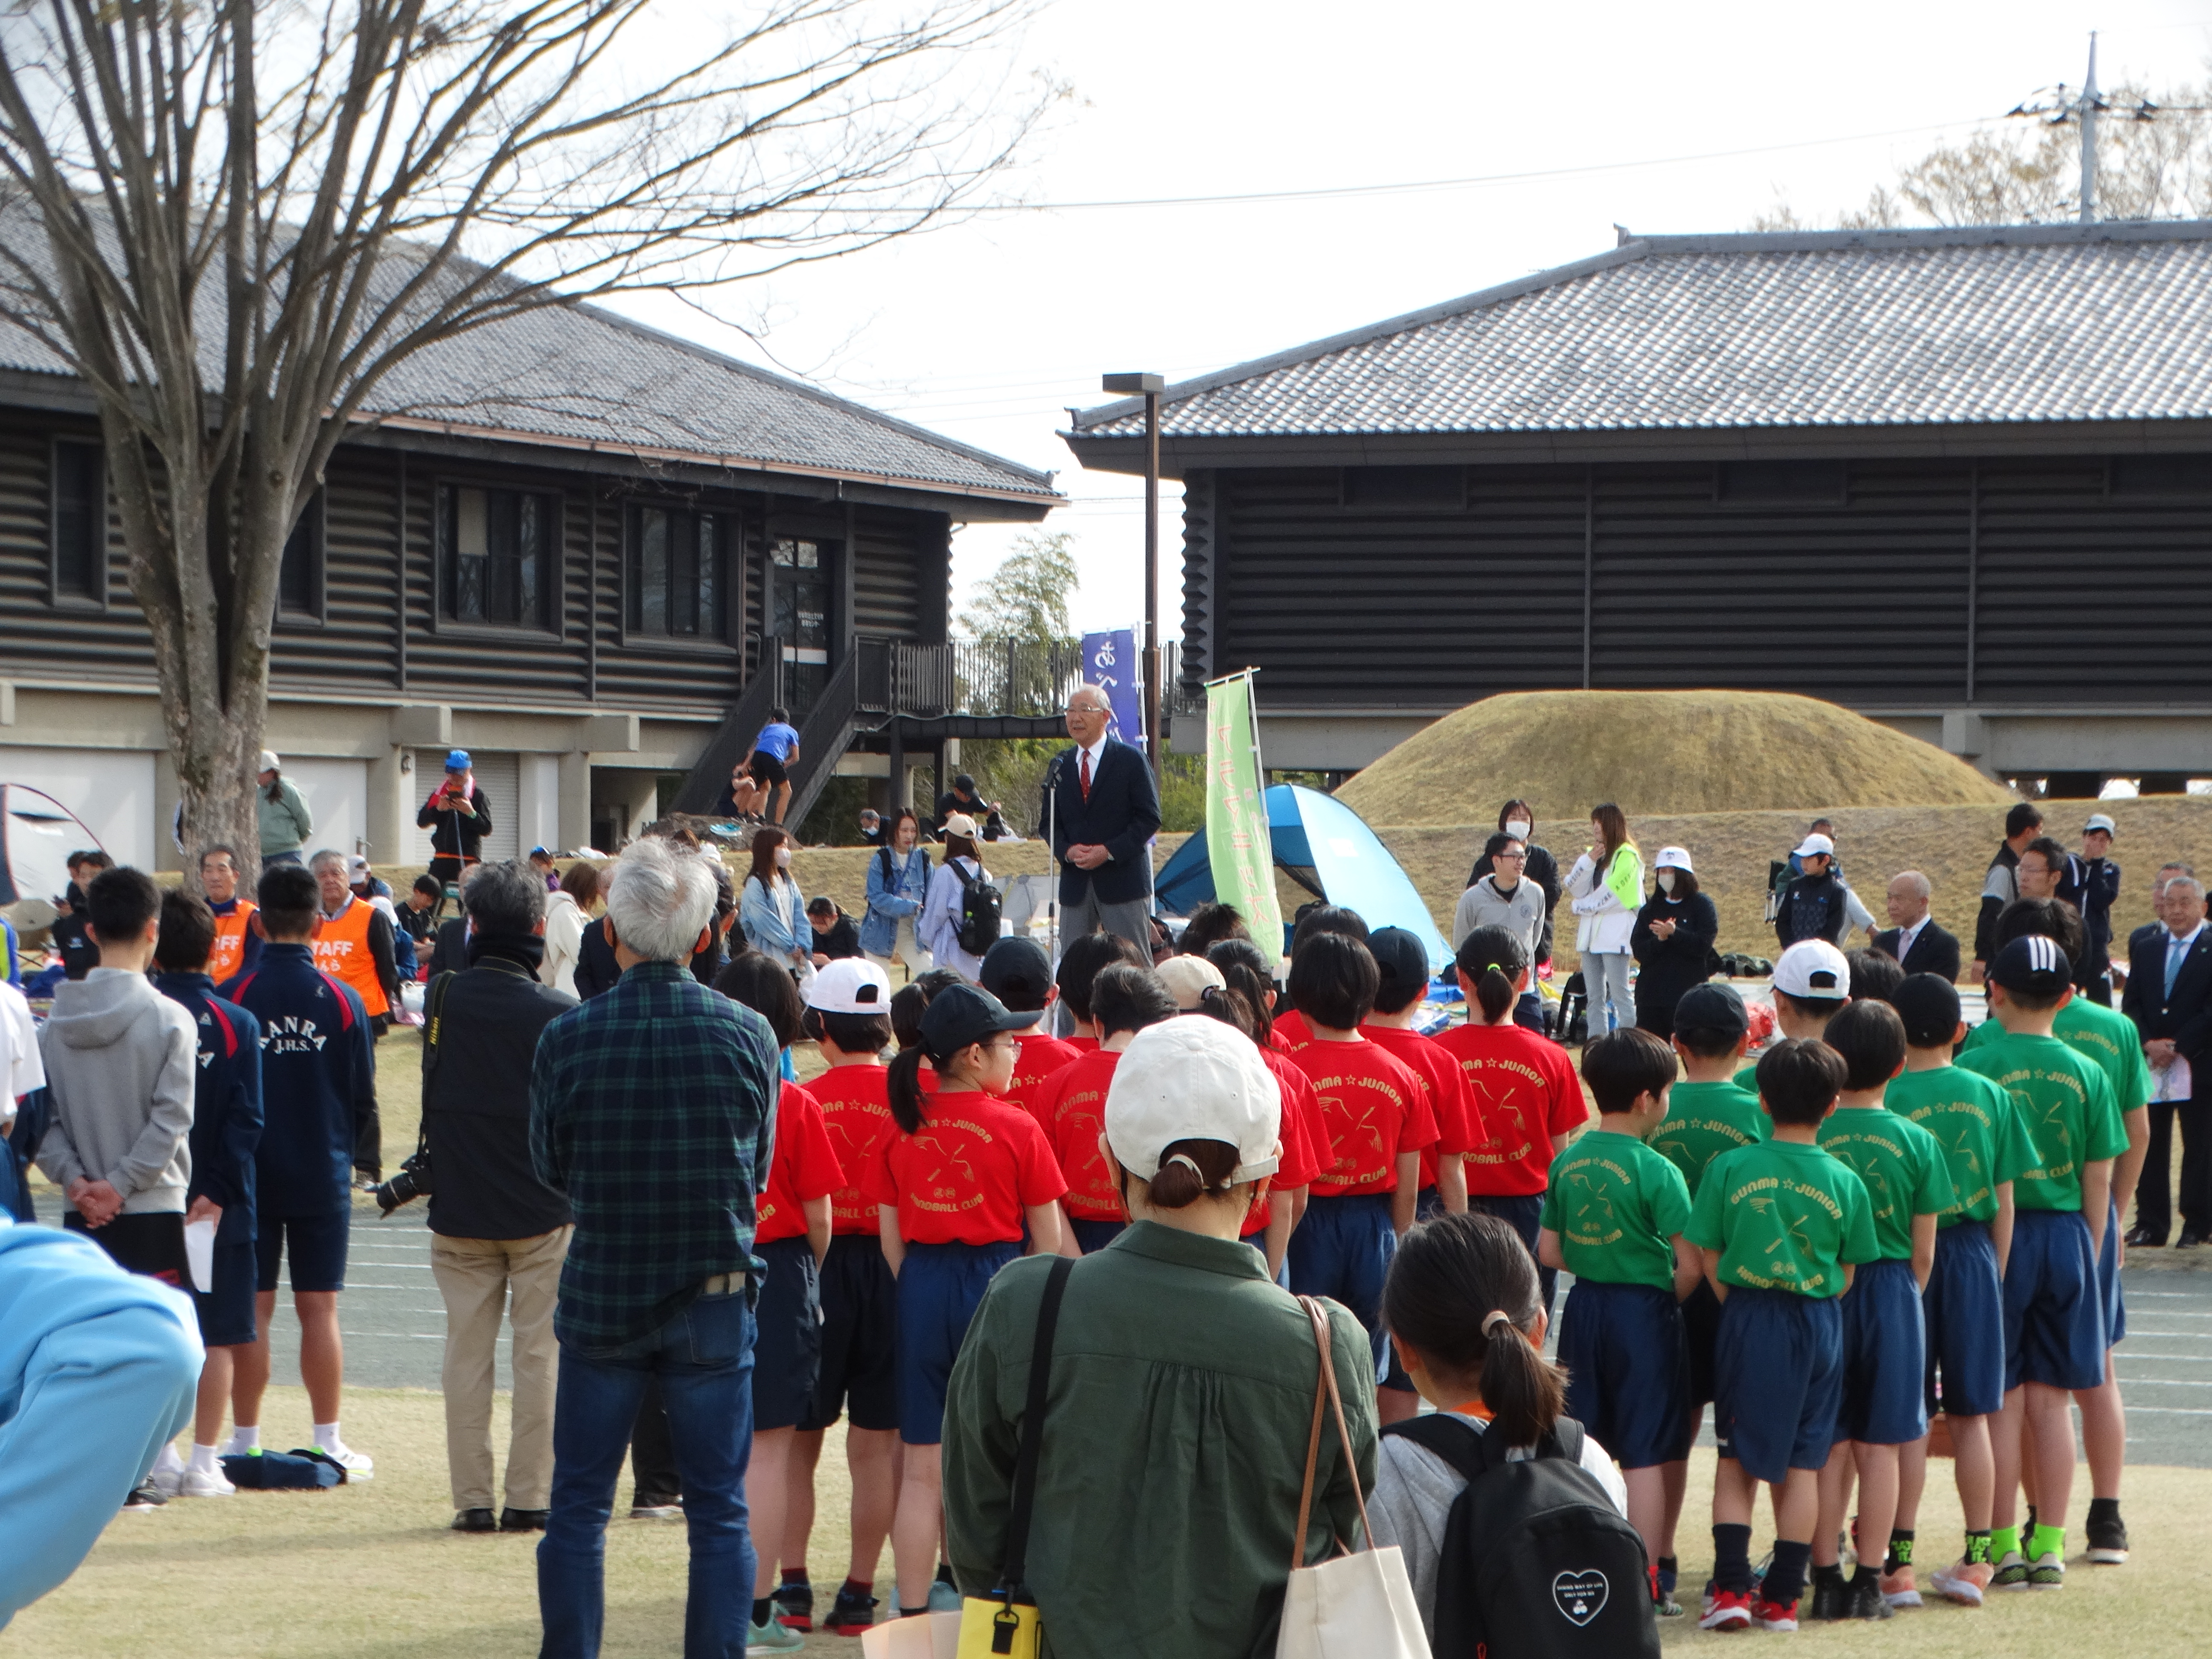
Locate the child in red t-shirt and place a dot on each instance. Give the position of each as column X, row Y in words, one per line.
column 1378, row 1118
column 1080, row 964
column 1017, row 971
column 1524, row 1088
column 953, row 1184
column 790, row 1235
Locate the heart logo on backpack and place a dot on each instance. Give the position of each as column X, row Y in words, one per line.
column 1580, row 1596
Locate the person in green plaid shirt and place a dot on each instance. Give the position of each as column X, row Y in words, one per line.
column 652, row 1107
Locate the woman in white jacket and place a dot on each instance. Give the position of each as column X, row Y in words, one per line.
column 1605, row 888
column 567, row 913
column 939, row 929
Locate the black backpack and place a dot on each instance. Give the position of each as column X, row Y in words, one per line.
column 981, row 905
column 1537, row 1563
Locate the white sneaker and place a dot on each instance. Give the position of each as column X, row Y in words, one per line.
column 166, row 1481
column 358, row 1466
column 205, row 1483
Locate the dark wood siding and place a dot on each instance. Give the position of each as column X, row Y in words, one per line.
column 37, row 636
column 353, row 648
column 886, row 576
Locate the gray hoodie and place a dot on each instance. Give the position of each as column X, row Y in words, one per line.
column 119, row 1058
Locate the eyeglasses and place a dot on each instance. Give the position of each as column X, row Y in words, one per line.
column 1512, row 858
column 1084, row 708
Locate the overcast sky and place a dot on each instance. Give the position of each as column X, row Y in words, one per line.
column 1644, row 116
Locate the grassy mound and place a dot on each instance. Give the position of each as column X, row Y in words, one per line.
column 1657, row 752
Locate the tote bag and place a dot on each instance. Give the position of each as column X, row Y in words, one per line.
column 1359, row 1604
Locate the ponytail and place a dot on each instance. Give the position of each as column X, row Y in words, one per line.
column 1229, row 1007
column 1191, row 1169
column 1249, row 989
column 904, row 1088
column 1492, row 959
column 1462, row 1291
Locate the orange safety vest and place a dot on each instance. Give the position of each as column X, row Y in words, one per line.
column 229, row 943
column 342, row 952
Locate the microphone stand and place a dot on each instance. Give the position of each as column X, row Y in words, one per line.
column 1052, row 841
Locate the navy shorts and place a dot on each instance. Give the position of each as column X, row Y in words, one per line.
column 1095, row 1236
column 2108, row 1279
column 1628, row 1370
column 314, row 1245
column 1524, row 1213
column 1779, row 1379
column 226, row 1312
column 939, row 1288
column 859, row 1361
column 787, row 1335
column 1965, row 1305
column 1342, row 1249
column 2054, row 1317
column 1885, row 1357
column 1701, row 1329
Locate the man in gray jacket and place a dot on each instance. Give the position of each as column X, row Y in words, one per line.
column 119, row 1058
column 1507, row 898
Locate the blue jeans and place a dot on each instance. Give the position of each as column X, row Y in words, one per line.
column 704, row 1359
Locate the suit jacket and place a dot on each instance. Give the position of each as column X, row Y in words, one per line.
column 1935, row 951
column 1123, row 816
column 2184, row 1014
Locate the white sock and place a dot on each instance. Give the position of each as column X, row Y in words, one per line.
column 168, row 1462
column 245, row 1439
column 203, row 1460
column 326, row 1437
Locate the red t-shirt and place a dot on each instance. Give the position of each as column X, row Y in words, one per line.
column 1291, row 1033
column 1304, row 1136
column 1459, row 1126
column 1071, row 1108
column 1376, row 1108
column 965, row 1178
column 857, row 1114
column 1082, row 1045
column 804, row 1166
column 1040, row 1057
column 1525, row 1091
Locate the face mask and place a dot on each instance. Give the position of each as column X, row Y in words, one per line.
column 1518, row 829
column 1665, row 881
column 783, row 858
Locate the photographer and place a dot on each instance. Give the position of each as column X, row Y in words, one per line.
column 498, row 1228
column 458, row 817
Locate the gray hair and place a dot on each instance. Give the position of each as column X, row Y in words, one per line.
column 1097, row 694
column 506, row 897
column 2177, row 866
column 1921, row 885
column 328, row 855
column 660, row 898
column 2189, row 882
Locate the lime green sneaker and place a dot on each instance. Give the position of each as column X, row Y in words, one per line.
column 2048, row 1572
column 2012, row 1573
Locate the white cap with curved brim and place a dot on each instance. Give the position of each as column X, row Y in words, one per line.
column 268, row 761
column 2099, row 820
column 1815, row 968
column 1673, row 858
column 1815, row 844
column 1194, row 1079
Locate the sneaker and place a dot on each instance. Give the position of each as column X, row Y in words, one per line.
column 1863, row 1600
column 358, row 1466
column 1899, row 1589
column 168, row 1478
column 205, row 1483
column 145, row 1496
column 656, row 1506
column 2108, row 1541
column 773, row 1637
column 944, row 1597
column 2011, row 1573
column 851, row 1614
column 794, row 1605
column 1831, row 1595
column 2048, row 1572
column 1726, row 1610
column 1963, row 1584
column 1775, row 1615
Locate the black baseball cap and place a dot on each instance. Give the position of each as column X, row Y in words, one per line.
column 1929, row 1006
column 1712, row 1008
column 960, row 1014
column 1401, row 957
column 1016, row 957
column 2032, row 965
column 965, row 783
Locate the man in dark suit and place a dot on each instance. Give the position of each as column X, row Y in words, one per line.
column 1104, row 810
column 1912, row 938
column 2169, row 997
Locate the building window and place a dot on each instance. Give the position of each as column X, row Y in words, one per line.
column 1819, row 483
column 80, row 525
column 300, row 574
column 498, row 564
column 676, row 564
column 2162, row 475
column 1430, row 487
column 800, row 618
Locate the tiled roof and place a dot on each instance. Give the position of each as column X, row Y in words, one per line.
column 2107, row 322
column 579, row 377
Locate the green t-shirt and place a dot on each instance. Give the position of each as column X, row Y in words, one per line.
column 1984, row 1140
column 2104, row 1034
column 1703, row 1121
column 2069, row 1108
column 1785, row 1217
column 1617, row 1206
column 1901, row 1165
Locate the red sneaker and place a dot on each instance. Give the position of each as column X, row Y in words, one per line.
column 1730, row 1610
column 1775, row 1615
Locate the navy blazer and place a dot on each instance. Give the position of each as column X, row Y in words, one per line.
column 2185, row 1013
column 1123, row 816
column 1935, row 951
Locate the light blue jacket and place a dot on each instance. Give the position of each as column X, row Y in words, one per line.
column 888, row 902
column 772, row 927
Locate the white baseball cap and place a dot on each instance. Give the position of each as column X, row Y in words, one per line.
column 957, row 823
column 2099, row 820
column 1813, row 968
column 358, row 866
column 1815, row 844
column 268, row 760
column 1673, row 858
column 1193, row 1079
column 1189, row 978
column 850, row 985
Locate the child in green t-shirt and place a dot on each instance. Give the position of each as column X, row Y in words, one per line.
column 2055, row 1324
column 1812, row 983
column 1987, row 1146
column 1885, row 1349
column 1613, row 1216
column 1782, row 1224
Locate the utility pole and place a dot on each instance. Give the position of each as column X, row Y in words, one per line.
column 1150, row 386
column 2089, row 107
column 2059, row 105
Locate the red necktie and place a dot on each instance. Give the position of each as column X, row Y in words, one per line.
column 1086, row 775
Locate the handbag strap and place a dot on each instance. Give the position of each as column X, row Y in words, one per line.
column 1325, row 1389
column 1025, row 1460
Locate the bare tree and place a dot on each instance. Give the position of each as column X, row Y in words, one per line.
column 233, row 220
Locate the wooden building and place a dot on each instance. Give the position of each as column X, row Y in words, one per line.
column 567, row 542
column 1959, row 480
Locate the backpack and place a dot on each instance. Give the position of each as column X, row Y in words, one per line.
column 1536, row 1564
column 981, row 905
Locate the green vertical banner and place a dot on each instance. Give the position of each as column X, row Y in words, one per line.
column 1238, row 845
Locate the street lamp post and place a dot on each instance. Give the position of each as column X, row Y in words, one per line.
column 1150, row 387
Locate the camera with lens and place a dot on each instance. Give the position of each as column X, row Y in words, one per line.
column 412, row 1181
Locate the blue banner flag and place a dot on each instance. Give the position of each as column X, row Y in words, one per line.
column 1110, row 661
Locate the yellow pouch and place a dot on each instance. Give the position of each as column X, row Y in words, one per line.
column 994, row 1627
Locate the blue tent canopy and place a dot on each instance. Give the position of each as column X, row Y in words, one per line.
column 1328, row 849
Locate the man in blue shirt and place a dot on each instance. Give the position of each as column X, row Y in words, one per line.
column 773, row 750
column 651, row 1110
column 317, row 1087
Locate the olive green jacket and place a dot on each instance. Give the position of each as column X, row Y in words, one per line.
column 1176, row 1429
